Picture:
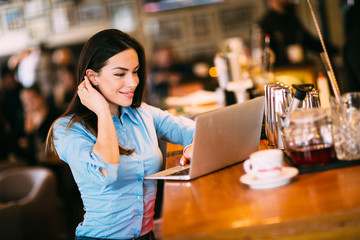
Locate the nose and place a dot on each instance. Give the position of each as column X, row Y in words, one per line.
column 132, row 81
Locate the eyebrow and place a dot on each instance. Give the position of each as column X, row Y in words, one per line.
column 125, row 69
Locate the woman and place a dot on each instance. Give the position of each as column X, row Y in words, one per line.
column 38, row 117
column 109, row 139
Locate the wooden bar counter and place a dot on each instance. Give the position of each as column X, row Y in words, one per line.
column 318, row 205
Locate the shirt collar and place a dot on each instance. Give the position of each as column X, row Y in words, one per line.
column 128, row 111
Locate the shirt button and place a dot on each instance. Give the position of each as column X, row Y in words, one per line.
column 139, row 162
column 139, row 197
column 139, row 179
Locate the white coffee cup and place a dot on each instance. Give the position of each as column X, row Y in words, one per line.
column 264, row 164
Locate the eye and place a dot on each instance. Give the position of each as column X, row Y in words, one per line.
column 120, row 74
column 135, row 72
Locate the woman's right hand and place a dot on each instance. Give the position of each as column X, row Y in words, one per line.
column 186, row 157
column 92, row 98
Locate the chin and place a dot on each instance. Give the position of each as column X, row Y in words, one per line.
column 125, row 103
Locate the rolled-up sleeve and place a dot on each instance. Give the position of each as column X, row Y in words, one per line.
column 75, row 146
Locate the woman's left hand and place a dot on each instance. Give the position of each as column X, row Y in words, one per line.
column 186, row 158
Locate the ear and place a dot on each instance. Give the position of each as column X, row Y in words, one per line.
column 92, row 76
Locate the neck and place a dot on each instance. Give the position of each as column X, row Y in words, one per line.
column 115, row 110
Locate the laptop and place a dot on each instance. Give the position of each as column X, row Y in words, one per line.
column 222, row 138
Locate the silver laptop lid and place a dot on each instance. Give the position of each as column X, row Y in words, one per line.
column 226, row 136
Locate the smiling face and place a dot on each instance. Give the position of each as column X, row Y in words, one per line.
column 118, row 79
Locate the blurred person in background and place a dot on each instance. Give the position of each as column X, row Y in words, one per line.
column 164, row 74
column 38, row 117
column 352, row 48
column 11, row 110
column 352, row 16
column 65, row 85
column 289, row 39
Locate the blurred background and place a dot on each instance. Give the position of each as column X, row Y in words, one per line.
column 202, row 54
column 191, row 31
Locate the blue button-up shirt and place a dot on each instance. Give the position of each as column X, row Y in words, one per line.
column 120, row 205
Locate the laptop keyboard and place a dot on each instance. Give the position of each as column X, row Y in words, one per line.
column 181, row 172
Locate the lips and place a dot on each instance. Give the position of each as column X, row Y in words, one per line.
column 128, row 94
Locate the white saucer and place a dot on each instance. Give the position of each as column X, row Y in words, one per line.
column 284, row 178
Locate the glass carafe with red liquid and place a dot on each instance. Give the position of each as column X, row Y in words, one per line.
column 308, row 138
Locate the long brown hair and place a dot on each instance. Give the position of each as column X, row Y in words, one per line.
column 94, row 55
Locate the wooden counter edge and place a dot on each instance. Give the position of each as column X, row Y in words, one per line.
column 342, row 225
